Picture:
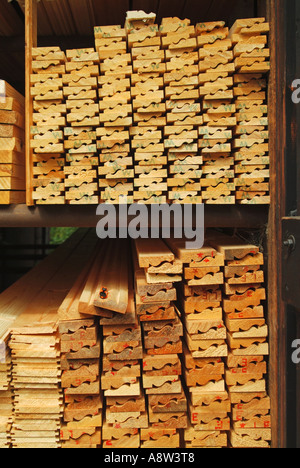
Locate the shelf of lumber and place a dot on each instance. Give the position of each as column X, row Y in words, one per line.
column 186, row 365
column 164, row 113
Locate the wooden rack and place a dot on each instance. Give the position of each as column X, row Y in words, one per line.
column 233, row 217
column 189, row 313
column 181, row 115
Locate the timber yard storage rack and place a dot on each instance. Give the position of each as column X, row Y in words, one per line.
column 69, row 25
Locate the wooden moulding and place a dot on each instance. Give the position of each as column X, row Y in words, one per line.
column 161, row 328
column 122, row 333
column 233, row 248
column 259, row 438
column 251, row 300
column 135, row 420
column 117, row 295
column 116, row 365
column 205, row 328
column 80, row 380
column 78, row 408
column 80, row 438
column 117, row 437
column 78, row 329
column 206, row 421
column 91, row 284
column 168, row 420
column 160, row 438
column 46, row 135
column 162, row 384
column 201, row 439
column 165, row 403
column 126, row 404
column 119, row 351
column 252, row 409
column 206, row 348
column 153, row 293
column 245, row 328
column 75, row 378
column 117, row 380
column 163, row 338
column 155, row 312
column 206, row 256
column 161, row 365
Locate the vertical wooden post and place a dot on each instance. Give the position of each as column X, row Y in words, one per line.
column 30, row 42
column 276, row 307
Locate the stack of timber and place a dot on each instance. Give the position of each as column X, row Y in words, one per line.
column 205, row 345
column 29, row 322
column 80, row 93
column 125, row 402
column 126, row 411
column 81, row 358
column 216, row 68
column 183, row 110
column 176, row 113
column 156, row 388
column 251, row 141
column 156, row 267
column 47, row 140
column 12, row 145
column 106, row 290
column 121, row 382
column 149, row 108
column 247, row 334
column 80, row 380
column 36, row 387
column 154, row 296
column 116, row 171
column 6, row 401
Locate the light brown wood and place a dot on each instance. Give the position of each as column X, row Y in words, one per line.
column 12, row 137
column 114, row 296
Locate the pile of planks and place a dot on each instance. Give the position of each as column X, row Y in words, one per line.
column 121, row 378
column 121, row 383
column 247, row 334
column 183, row 110
column 116, row 162
column 80, row 381
column 169, row 113
column 205, row 346
column 49, row 120
column 6, row 396
column 251, row 139
column 5, row 365
column 169, row 371
column 149, row 108
column 80, row 94
column 157, row 270
column 12, row 145
column 216, row 68
column 36, row 386
column 29, row 320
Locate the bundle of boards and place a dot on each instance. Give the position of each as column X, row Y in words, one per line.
column 172, row 352
column 169, row 113
column 12, row 146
